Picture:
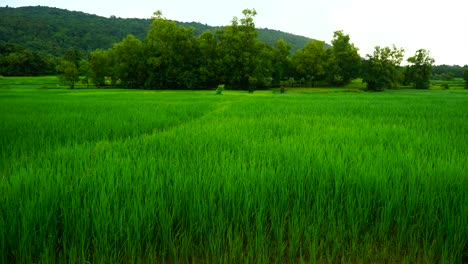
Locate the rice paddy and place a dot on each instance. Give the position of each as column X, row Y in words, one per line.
column 106, row 176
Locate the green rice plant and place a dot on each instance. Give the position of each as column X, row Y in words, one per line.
column 138, row 176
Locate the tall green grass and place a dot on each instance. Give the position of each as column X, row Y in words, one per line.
column 135, row 176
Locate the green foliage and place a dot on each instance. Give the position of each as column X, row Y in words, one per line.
column 465, row 76
column 310, row 62
column 68, row 73
column 420, row 71
column 209, row 64
column 281, row 63
column 238, row 50
column 100, row 66
column 151, row 177
column 54, row 31
column 84, row 72
column 17, row 61
column 169, row 52
column 344, row 62
column 381, row 69
column 232, row 55
column 446, row 76
column 220, row 89
column 74, row 56
column 271, row 36
column 129, row 64
column 439, row 71
column 238, row 55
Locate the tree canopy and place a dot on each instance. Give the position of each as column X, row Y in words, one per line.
column 344, row 60
column 420, row 70
column 465, row 76
column 381, row 69
column 159, row 53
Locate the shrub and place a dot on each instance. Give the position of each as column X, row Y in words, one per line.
column 220, row 89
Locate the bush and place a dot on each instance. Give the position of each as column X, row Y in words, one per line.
column 220, row 89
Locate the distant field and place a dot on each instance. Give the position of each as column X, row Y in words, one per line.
column 312, row 175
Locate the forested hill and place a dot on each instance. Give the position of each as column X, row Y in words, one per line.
column 54, row 30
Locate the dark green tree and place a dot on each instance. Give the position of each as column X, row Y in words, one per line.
column 465, row 76
column 169, row 52
column 449, row 70
column 17, row 61
column 68, row 73
column 263, row 69
column 281, row 62
column 84, row 72
column 344, row 62
column 74, row 56
column 420, row 69
column 381, row 69
column 129, row 62
column 100, row 66
column 238, row 51
column 208, row 63
column 310, row 62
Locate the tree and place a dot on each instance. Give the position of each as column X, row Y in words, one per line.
column 129, row 62
column 68, row 73
column 100, row 66
column 170, row 59
column 263, row 67
column 238, row 51
column 18, row 61
column 73, row 55
column 310, row 62
column 420, row 70
column 450, row 70
column 344, row 61
column 465, row 76
column 84, row 72
column 281, row 63
column 381, row 69
column 208, row 63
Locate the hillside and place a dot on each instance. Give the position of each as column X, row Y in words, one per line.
column 55, row 30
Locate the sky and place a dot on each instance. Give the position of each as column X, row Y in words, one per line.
column 435, row 25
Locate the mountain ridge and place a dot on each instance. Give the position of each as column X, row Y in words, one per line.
column 53, row 30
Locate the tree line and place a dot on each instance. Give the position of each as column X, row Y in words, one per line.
column 172, row 56
column 16, row 60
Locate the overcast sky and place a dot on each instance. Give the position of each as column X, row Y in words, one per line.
column 438, row 26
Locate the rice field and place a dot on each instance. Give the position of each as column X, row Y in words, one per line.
column 120, row 176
